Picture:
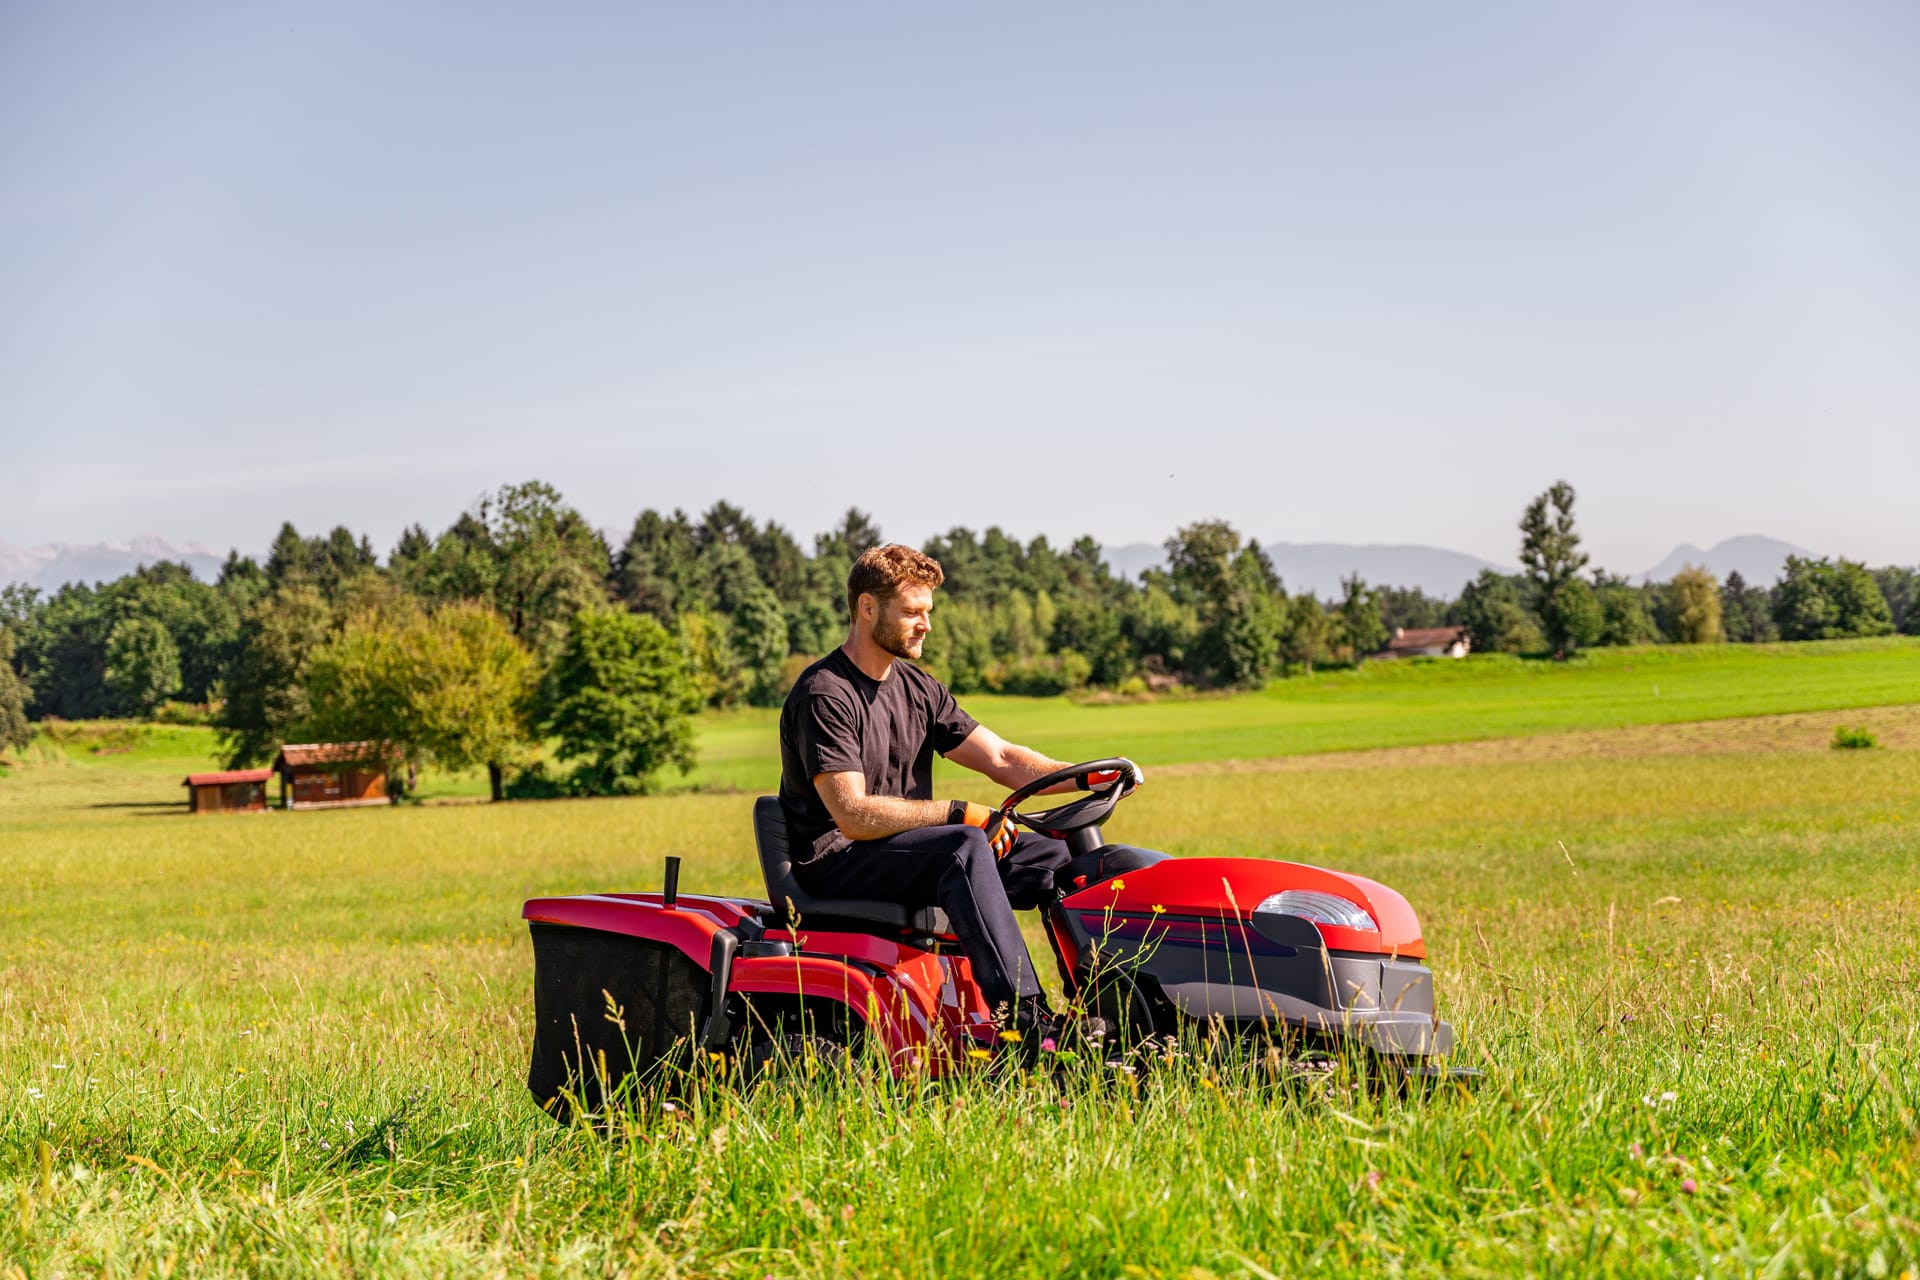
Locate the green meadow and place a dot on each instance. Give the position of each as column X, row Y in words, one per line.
column 1678, row 930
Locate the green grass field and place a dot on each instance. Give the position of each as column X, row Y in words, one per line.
column 1687, row 954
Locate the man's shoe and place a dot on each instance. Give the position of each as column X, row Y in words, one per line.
column 1041, row 1031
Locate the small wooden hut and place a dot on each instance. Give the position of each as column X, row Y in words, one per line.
column 230, row 791
column 332, row 775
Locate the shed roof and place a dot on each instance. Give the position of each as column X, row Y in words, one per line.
column 226, row 776
column 298, row 754
column 1412, row 640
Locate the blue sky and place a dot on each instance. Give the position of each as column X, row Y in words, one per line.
column 1356, row 273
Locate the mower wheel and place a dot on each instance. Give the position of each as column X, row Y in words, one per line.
column 793, row 1056
column 1127, row 1009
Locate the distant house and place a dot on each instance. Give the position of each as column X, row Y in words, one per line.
column 332, row 775
column 231, row 791
column 1427, row 642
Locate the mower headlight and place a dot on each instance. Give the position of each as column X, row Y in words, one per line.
column 1321, row 908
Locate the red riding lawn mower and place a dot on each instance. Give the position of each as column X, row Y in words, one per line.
column 629, row 986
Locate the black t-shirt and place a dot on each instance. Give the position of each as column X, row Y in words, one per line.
column 839, row 719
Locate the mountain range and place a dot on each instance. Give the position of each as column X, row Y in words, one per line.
column 1318, row 567
column 54, row 565
column 1303, row 566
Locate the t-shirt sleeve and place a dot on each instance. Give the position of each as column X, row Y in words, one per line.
column 829, row 737
column 951, row 725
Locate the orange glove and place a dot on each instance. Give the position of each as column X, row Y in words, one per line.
column 1000, row 832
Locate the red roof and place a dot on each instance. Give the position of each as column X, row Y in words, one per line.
column 1414, row 639
column 298, row 754
column 231, row 775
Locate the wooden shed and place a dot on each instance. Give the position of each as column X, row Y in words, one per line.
column 231, row 791
column 332, row 775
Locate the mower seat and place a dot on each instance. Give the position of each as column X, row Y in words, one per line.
column 864, row 914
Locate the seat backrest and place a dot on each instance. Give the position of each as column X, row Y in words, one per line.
column 776, row 867
column 776, row 864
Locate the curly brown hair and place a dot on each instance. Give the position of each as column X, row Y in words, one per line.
column 882, row 571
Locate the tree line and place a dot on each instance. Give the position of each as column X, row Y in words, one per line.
column 519, row 625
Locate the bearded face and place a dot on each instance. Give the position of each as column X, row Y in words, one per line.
column 900, row 625
column 896, row 637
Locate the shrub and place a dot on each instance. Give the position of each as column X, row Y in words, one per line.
column 1848, row 739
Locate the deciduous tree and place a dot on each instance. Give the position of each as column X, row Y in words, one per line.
column 143, row 665
column 1491, row 609
column 1550, row 553
column 1356, row 620
column 1696, row 607
column 1747, row 611
column 1307, row 627
column 620, row 699
column 551, row 562
column 1624, row 618
column 16, row 731
column 452, row 689
column 1818, row 599
column 266, row 689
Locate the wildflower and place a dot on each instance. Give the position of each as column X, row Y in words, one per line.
column 388, row 1218
column 1011, row 1037
column 1159, row 910
column 1373, row 1179
column 1636, row 1151
column 35, row 1093
column 519, row 1162
column 1118, row 884
column 978, row 1053
column 1048, row 1045
column 1688, row 1186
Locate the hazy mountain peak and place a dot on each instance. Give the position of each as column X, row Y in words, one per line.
column 1318, row 567
column 1756, row 557
column 54, row 564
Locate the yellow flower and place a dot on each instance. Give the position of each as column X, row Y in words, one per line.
column 1011, row 1037
column 1118, row 885
column 1159, row 910
column 978, row 1053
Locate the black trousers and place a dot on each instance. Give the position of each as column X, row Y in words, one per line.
column 953, row 868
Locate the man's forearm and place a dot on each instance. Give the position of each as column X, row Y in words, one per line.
column 876, row 817
column 1020, row 765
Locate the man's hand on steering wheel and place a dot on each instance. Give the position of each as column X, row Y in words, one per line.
column 999, row 829
column 1107, row 779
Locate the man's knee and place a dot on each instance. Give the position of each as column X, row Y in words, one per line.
column 971, row 847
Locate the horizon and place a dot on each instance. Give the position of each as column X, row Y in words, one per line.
column 1124, row 560
column 1359, row 277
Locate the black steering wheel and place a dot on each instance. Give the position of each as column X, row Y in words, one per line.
column 1075, row 815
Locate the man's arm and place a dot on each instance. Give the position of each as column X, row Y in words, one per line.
column 1007, row 763
column 863, row 817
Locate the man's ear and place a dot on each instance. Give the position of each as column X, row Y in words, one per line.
column 866, row 606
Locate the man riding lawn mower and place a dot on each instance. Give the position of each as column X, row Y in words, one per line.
column 890, row 914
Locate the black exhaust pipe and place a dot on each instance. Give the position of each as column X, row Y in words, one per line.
column 672, row 895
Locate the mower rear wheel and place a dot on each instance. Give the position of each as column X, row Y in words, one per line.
column 784, row 1039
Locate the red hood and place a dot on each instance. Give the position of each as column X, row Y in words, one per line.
column 1210, row 887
